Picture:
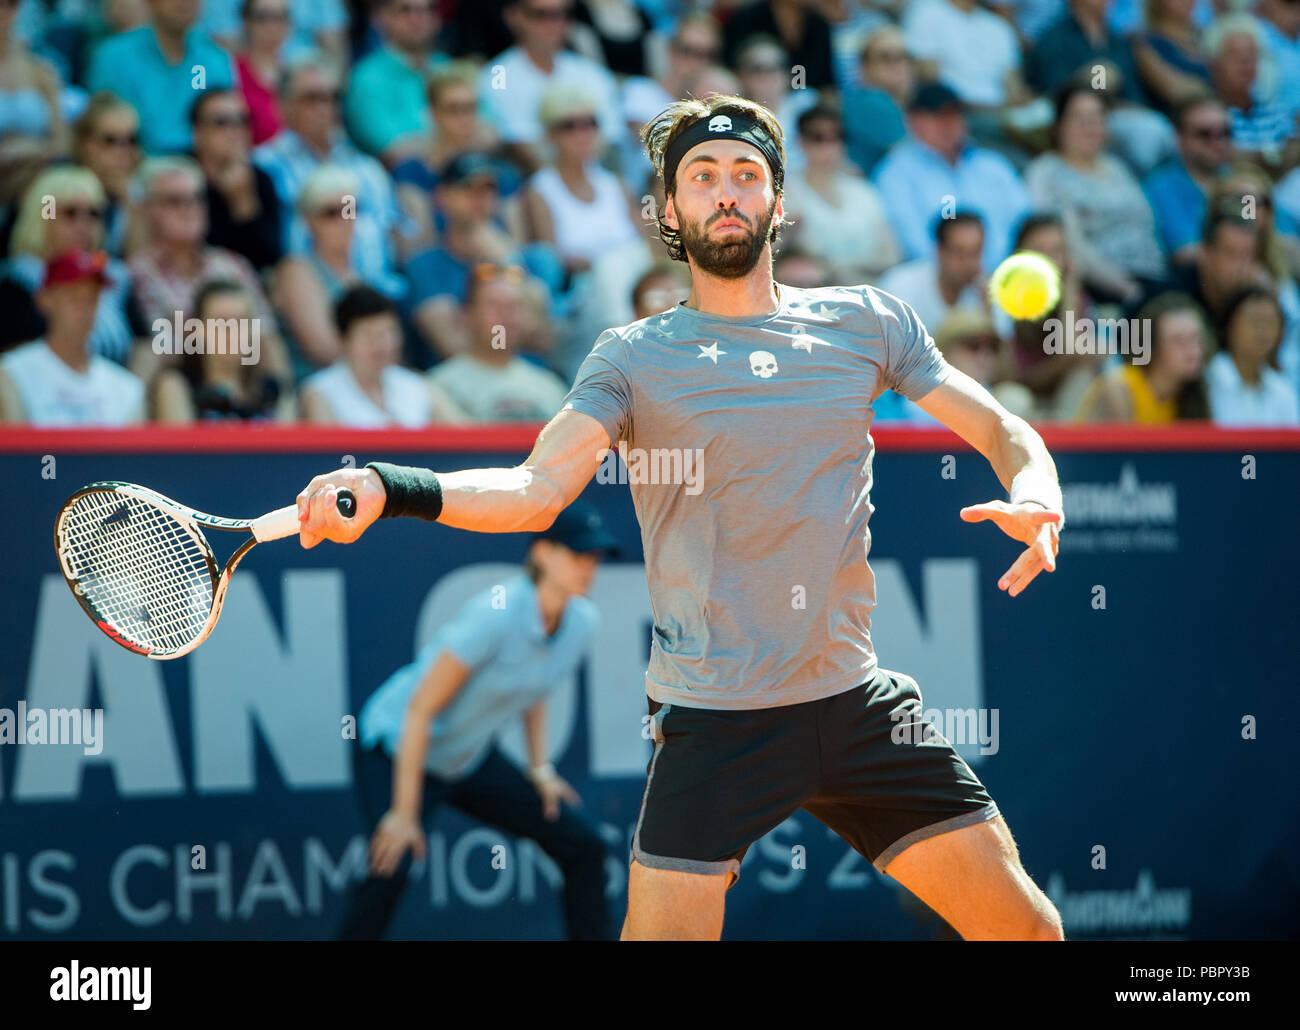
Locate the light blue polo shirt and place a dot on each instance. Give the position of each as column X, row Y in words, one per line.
column 131, row 65
column 499, row 635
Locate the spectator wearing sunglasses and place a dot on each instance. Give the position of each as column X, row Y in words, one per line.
column 309, row 282
column 76, row 199
column 838, row 216
column 575, row 204
column 874, row 106
column 1178, row 189
column 175, row 259
column 106, row 139
column 312, row 137
column 243, row 208
column 152, row 67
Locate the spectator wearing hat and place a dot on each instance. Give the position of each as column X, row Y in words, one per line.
column 511, row 83
column 58, row 380
column 367, row 388
column 492, row 381
column 468, row 198
column 152, row 67
column 951, row 279
column 312, row 137
column 76, row 199
column 873, row 108
column 490, row 664
column 938, row 165
column 970, row 343
column 458, row 128
column 838, row 215
column 385, row 106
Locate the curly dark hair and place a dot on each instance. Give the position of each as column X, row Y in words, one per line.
column 658, row 134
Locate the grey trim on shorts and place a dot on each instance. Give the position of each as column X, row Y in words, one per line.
column 685, row 865
column 979, row 815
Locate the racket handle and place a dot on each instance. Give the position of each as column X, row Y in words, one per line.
column 284, row 522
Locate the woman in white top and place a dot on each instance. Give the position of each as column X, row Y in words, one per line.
column 366, row 388
column 1245, row 387
column 838, row 216
column 574, row 203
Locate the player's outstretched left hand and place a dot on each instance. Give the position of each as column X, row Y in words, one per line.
column 1031, row 524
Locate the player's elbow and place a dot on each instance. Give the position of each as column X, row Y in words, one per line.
column 546, row 501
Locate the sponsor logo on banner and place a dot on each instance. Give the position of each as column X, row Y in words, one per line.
column 1140, row 911
column 1125, row 515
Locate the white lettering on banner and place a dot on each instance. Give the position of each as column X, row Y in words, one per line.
column 942, row 650
column 138, row 744
column 291, row 685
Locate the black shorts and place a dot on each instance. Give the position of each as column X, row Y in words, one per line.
column 720, row 779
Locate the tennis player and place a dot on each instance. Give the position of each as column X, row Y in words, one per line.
column 427, row 736
column 764, row 689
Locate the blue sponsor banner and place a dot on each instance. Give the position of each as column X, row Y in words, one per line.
column 1133, row 714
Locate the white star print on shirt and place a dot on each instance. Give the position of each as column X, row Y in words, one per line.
column 711, row 351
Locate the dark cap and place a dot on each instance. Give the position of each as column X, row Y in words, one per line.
column 580, row 528
column 74, row 265
column 934, row 96
column 469, row 165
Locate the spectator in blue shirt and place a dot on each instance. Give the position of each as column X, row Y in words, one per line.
column 428, row 734
column 1179, row 188
column 1262, row 129
column 160, row 68
column 312, row 137
column 873, row 109
column 937, row 169
column 386, row 108
column 469, row 199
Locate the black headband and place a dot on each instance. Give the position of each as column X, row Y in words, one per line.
column 723, row 126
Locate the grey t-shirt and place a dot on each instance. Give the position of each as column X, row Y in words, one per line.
column 756, row 546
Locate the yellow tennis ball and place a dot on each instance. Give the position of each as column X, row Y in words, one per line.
column 1026, row 285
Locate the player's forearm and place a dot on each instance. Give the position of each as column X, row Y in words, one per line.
column 488, row 500
column 535, row 734
column 1018, row 451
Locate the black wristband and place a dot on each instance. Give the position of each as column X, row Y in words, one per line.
column 412, row 492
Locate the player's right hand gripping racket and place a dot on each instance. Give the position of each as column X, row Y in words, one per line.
column 140, row 567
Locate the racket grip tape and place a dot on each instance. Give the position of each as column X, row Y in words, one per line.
column 284, row 522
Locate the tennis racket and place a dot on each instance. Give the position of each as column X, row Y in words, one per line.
column 140, row 567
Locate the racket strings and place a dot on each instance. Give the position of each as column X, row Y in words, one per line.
column 140, row 568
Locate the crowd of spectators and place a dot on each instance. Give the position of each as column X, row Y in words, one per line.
column 429, row 209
